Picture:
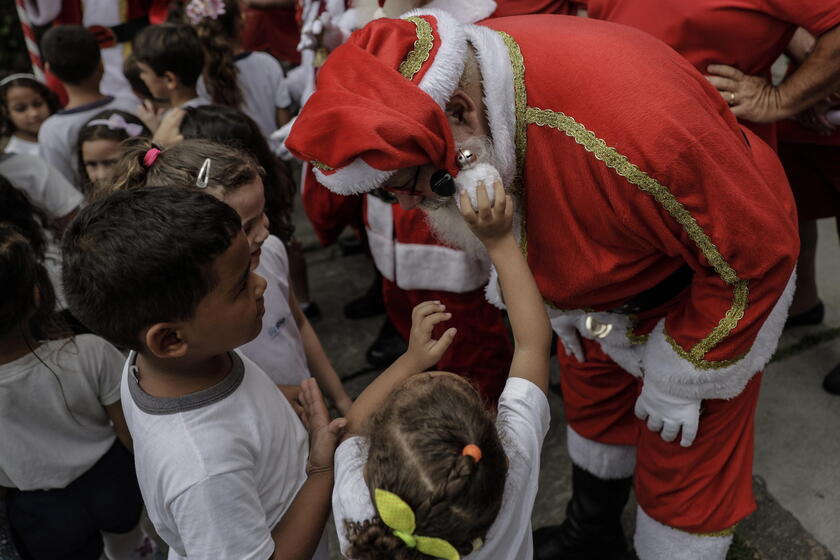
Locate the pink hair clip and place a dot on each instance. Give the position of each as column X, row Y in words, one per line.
column 197, row 10
column 150, row 157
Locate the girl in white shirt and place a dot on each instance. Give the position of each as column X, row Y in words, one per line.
column 69, row 485
column 425, row 470
column 25, row 103
column 253, row 82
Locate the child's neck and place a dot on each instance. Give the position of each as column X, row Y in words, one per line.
column 82, row 94
column 24, row 135
column 181, row 95
column 16, row 344
column 177, row 377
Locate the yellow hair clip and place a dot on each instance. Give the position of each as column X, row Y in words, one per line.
column 398, row 516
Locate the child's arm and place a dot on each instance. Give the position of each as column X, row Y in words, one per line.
column 115, row 412
column 297, row 534
column 317, row 360
column 528, row 319
column 423, row 352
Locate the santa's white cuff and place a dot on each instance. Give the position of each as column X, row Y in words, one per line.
column 655, row 541
column 604, row 460
column 680, row 377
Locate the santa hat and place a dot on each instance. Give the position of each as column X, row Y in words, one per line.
column 379, row 103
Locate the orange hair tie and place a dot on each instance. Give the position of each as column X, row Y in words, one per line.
column 473, row 451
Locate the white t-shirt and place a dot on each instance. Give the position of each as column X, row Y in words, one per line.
column 45, row 187
column 53, row 426
column 217, row 468
column 59, row 134
column 20, row 146
column 263, row 85
column 278, row 349
column 522, row 423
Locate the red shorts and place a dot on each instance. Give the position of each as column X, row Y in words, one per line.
column 704, row 488
column 481, row 351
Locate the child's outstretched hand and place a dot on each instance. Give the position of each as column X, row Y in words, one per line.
column 491, row 223
column 323, row 434
column 423, row 350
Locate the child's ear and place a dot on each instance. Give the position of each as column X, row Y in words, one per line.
column 164, row 341
column 171, row 80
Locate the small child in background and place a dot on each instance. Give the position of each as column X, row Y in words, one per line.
column 170, row 59
column 287, row 347
column 435, row 475
column 253, row 82
column 69, row 471
column 100, row 146
column 25, row 103
column 152, row 109
column 221, row 456
column 72, row 55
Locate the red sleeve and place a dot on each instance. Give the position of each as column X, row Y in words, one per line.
column 815, row 16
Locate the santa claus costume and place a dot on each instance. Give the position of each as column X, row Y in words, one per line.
column 662, row 236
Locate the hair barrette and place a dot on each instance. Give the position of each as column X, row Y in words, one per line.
column 203, row 178
column 117, row 122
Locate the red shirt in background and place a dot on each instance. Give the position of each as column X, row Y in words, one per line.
column 747, row 34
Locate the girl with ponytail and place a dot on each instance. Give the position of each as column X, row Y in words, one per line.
column 253, row 82
column 425, row 470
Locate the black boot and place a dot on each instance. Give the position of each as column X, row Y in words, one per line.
column 592, row 529
column 370, row 304
column 387, row 347
column 831, row 383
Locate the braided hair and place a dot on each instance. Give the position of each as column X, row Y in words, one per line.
column 415, row 451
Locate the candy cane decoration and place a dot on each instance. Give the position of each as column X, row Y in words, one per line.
column 31, row 42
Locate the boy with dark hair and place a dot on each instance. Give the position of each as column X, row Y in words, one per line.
column 221, row 457
column 170, row 59
column 72, row 54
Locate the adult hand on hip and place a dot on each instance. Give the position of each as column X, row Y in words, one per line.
column 751, row 98
column 668, row 414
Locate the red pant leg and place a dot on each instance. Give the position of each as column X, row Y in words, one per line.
column 700, row 489
column 481, row 351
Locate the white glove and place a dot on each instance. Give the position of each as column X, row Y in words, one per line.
column 277, row 139
column 668, row 414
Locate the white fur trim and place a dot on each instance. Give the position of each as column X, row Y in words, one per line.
column 434, row 267
column 416, row 266
column 679, row 377
column 468, row 179
column 465, row 11
column 655, row 541
column 442, row 77
column 380, row 232
column 356, row 178
column 497, row 82
column 493, row 291
column 604, row 460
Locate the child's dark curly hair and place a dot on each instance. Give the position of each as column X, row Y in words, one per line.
column 415, row 451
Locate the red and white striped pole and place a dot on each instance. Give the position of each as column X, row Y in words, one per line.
column 31, row 42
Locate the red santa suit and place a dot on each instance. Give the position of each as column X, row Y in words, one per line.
column 416, row 267
column 747, row 34
column 617, row 192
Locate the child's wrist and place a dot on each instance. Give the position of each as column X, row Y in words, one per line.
column 314, row 470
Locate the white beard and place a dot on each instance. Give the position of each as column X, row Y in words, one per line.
column 449, row 227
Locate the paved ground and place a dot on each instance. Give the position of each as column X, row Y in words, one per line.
column 797, row 480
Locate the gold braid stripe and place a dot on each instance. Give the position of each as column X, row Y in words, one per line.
column 320, row 165
column 614, row 160
column 415, row 59
column 521, row 139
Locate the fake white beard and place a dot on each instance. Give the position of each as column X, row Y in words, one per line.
column 443, row 215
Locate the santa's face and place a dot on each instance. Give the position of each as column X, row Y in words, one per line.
column 411, row 187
